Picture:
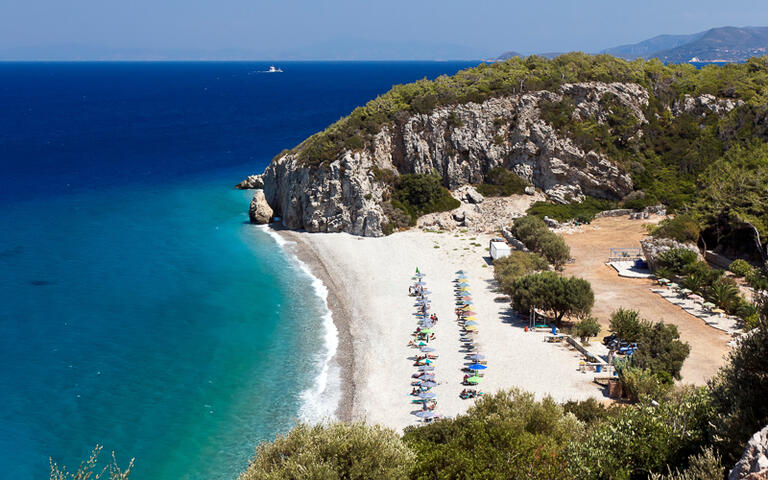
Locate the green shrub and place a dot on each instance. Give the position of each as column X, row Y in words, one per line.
column 643, row 438
column 724, row 293
column 517, row 264
column 676, row 259
column 589, row 411
column 505, row 435
column 740, row 268
column 338, row 450
column 530, row 230
column 660, row 350
column 563, row 297
column 639, row 382
column 454, row 121
column 683, row 228
column 757, row 280
column 500, row 182
column 626, row 324
column 418, row 194
column 555, row 250
column 583, row 212
column 706, row 465
column 588, row 327
column 740, row 388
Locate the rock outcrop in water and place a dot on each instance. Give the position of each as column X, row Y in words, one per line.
column 462, row 143
column 260, row 212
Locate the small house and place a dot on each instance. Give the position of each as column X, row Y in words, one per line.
column 499, row 248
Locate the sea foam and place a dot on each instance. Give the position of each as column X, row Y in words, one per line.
column 320, row 401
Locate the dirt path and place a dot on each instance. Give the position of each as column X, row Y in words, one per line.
column 590, row 248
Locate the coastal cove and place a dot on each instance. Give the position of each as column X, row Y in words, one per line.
column 141, row 310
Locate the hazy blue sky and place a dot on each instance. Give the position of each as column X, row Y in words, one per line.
column 347, row 29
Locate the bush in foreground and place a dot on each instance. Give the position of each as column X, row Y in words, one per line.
column 642, row 439
column 325, row 452
column 90, row 469
column 740, row 390
column 506, row 435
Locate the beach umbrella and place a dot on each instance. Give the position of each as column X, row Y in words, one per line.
column 477, row 366
column 466, row 297
column 474, row 380
column 426, row 362
column 427, row 349
column 469, row 313
column 427, row 395
column 708, row 305
column 463, row 289
column 470, row 323
column 426, row 292
column 471, row 328
column 427, row 323
column 428, row 384
column 477, row 357
column 426, row 368
column 718, row 311
column 427, row 330
column 698, row 298
column 421, row 344
column 420, row 283
column 461, row 272
column 463, row 284
column 663, row 280
column 673, row 285
column 471, row 317
column 685, row 291
column 467, row 302
column 425, row 414
column 427, row 376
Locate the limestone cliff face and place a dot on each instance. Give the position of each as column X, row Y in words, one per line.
column 462, row 143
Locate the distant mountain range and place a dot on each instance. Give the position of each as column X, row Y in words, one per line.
column 726, row 44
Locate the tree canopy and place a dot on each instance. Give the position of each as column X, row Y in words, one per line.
column 563, row 297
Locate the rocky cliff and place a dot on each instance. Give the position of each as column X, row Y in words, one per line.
column 461, row 142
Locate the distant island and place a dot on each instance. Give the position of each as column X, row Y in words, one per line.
column 721, row 44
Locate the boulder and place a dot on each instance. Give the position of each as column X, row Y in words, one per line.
column 551, row 222
column 250, row 183
column 468, row 194
column 653, row 247
column 260, row 212
column 753, row 464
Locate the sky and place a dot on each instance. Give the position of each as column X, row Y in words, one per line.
column 346, row 29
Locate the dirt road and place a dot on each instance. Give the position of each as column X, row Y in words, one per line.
column 709, row 346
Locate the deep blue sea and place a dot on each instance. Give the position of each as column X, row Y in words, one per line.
column 138, row 308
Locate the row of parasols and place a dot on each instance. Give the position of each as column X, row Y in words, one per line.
column 687, row 293
column 467, row 319
column 424, row 379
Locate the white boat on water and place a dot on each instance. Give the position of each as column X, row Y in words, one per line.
column 272, row 69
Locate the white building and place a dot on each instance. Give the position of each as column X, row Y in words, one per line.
column 499, row 248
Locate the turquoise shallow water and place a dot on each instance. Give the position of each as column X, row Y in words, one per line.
column 211, row 353
column 138, row 308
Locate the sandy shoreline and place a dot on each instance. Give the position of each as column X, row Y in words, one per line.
column 340, row 309
column 367, row 281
